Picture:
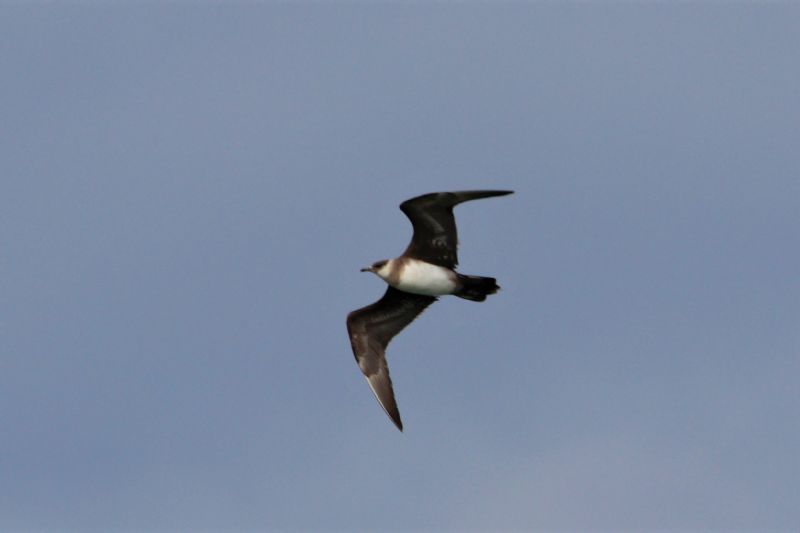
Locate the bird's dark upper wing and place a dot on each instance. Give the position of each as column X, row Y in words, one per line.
column 435, row 238
column 371, row 328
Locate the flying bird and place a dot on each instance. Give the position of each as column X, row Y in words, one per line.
column 425, row 271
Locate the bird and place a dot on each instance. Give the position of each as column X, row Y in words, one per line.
column 425, row 271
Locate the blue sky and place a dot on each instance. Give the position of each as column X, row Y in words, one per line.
column 188, row 191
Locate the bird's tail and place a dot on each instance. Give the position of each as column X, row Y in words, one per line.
column 476, row 288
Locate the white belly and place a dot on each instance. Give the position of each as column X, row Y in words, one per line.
column 420, row 277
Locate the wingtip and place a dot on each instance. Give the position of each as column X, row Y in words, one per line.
column 388, row 403
column 464, row 196
column 394, row 416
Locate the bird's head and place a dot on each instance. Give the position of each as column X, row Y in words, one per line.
column 377, row 267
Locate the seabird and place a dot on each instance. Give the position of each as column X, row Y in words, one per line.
column 425, row 271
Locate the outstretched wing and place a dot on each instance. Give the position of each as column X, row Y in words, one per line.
column 371, row 328
column 435, row 237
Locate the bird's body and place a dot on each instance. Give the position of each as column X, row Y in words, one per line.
column 425, row 271
column 418, row 277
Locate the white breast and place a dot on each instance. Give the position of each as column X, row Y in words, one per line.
column 420, row 277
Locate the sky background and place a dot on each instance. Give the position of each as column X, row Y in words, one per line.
column 188, row 192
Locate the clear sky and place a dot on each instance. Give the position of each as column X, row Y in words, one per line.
column 188, row 192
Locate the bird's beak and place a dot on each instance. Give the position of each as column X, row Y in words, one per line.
column 366, row 269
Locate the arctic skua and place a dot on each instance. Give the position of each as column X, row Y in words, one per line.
column 416, row 279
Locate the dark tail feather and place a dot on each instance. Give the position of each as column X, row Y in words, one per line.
column 476, row 288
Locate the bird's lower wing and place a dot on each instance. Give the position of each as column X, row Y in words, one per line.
column 371, row 328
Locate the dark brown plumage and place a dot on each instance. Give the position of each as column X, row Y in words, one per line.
column 435, row 237
column 371, row 328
